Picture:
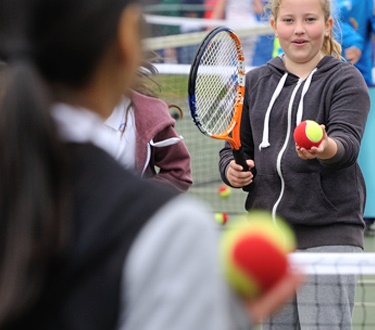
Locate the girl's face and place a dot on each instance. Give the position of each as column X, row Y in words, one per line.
column 301, row 28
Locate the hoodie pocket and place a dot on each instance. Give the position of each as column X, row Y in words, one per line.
column 305, row 202
column 263, row 192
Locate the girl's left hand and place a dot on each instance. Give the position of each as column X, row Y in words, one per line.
column 326, row 149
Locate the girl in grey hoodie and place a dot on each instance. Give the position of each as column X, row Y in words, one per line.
column 321, row 191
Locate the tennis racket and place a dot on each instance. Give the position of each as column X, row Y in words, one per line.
column 216, row 89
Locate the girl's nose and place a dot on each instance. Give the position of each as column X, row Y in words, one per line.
column 299, row 28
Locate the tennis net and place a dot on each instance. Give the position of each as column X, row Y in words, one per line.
column 327, row 272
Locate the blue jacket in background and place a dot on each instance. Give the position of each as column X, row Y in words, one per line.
column 357, row 23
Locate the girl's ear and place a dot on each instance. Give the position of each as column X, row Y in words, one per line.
column 273, row 24
column 329, row 25
column 129, row 37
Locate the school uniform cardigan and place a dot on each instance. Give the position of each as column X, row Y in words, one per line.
column 83, row 286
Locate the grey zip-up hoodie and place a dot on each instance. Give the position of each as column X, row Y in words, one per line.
column 322, row 200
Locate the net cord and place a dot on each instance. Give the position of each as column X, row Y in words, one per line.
column 333, row 263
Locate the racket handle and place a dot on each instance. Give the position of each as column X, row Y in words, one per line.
column 240, row 159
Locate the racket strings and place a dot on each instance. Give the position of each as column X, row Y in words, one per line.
column 216, row 84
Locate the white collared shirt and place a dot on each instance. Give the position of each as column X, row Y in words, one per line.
column 82, row 126
column 121, row 125
column 85, row 126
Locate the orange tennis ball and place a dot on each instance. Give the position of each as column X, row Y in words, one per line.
column 224, row 191
column 308, row 134
column 254, row 253
column 221, row 218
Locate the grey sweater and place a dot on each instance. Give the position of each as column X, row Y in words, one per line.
column 322, row 200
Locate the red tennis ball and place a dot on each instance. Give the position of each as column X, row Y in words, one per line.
column 221, row 218
column 224, row 191
column 254, row 253
column 308, row 134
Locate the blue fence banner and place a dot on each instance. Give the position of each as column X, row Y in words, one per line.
column 367, row 158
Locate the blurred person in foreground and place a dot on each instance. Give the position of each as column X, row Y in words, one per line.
column 85, row 244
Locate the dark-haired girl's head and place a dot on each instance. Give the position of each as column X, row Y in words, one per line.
column 65, row 38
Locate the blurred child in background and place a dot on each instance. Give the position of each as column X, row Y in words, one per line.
column 357, row 25
column 264, row 44
column 239, row 15
column 145, row 138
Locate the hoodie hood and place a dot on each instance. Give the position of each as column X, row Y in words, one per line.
column 326, row 64
column 155, row 115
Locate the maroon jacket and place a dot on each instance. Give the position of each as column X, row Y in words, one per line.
column 161, row 153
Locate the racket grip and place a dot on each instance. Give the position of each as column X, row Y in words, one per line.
column 240, row 159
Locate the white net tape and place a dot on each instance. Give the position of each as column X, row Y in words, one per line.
column 334, row 263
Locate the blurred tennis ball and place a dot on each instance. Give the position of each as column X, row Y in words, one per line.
column 308, row 134
column 221, row 218
column 224, row 191
column 254, row 252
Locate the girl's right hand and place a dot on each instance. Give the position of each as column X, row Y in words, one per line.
column 238, row 178
column 272, row 300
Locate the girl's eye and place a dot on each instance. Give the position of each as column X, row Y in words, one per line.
column 311, row 19
column 287, row 20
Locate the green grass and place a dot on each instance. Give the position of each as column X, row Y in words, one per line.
column 173, row 89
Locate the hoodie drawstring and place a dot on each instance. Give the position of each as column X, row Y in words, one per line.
column 160, row 144
column 304, row 90
column 167, row 142
column 265, row 140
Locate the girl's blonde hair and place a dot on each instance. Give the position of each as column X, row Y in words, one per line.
column 330, row 45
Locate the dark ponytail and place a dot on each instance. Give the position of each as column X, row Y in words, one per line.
column 33, row 188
